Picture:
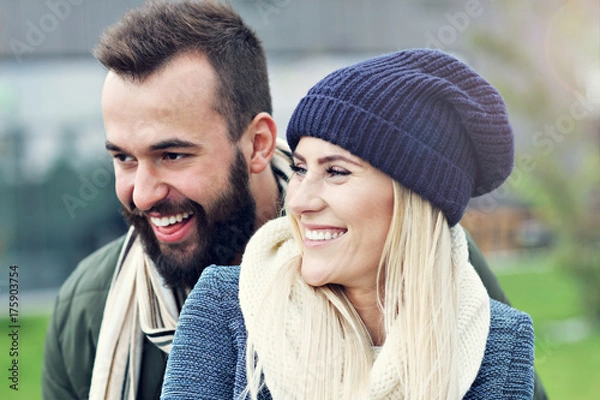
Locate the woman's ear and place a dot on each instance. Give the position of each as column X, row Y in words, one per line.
column 263, row 133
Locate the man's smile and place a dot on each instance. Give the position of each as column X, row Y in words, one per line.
column 172, row 228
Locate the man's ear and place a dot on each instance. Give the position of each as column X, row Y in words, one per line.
column 263, row 136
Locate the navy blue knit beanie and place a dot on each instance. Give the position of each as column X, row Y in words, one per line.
column 421, row 116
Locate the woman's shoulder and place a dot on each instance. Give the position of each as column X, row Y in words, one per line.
column 224, row 274
column 511, row 333
column 506, row 371
column 217, row 285
column 225, row 277
column 504, row 318
column 214, row 299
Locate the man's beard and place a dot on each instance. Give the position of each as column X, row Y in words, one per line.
column 222, row 230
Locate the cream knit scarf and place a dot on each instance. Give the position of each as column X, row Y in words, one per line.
column 273, row 247
column 139, row 304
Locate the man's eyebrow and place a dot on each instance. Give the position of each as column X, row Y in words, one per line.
column 162, row 145
column 172, row 143
column 112, row 147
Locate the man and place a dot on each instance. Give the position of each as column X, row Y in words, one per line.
column 186, row 107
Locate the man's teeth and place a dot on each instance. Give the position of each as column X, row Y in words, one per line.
column 322, row 235
column 166, row 221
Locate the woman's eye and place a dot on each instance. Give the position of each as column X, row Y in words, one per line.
column 297, row 170
column 337, row 171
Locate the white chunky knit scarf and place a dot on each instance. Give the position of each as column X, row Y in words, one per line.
column 273, row 247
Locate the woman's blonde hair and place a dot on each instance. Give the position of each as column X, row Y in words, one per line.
column 331, row 356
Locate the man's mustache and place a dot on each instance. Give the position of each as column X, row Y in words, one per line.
column 164, row 207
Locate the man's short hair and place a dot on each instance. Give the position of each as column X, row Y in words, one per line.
column 147, row 38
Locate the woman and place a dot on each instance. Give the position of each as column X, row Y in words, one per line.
column 365, row 290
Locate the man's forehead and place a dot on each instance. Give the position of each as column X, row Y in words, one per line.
column 185, row 86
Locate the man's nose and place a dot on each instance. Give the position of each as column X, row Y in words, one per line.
column 148, row 188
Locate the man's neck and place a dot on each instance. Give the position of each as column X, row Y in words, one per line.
column 268, row 198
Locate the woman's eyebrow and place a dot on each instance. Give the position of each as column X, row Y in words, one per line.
column 336, row 157
column 327, row 159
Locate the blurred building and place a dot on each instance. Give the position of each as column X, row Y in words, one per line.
column 51, row 133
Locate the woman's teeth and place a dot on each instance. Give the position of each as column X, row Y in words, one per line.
column 323, row 235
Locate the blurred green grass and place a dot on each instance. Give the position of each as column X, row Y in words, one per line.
column 32, row 332
column 569, row 370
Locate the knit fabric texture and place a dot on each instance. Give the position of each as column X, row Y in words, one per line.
column 421, row 116
column 208, row 361
column 273, row 246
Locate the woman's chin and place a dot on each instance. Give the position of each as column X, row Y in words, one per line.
column 314, row 277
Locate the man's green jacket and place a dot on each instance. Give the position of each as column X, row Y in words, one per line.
column 72, row 335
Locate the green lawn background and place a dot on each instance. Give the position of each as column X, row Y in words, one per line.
column 569, row 370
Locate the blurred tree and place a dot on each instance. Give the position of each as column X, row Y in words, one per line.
column 547, row 61
column 50, row 223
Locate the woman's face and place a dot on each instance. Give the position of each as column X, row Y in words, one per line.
column 344, row 207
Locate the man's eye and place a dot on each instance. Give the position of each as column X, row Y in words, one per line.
column 174, row 156
column 122, row 158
